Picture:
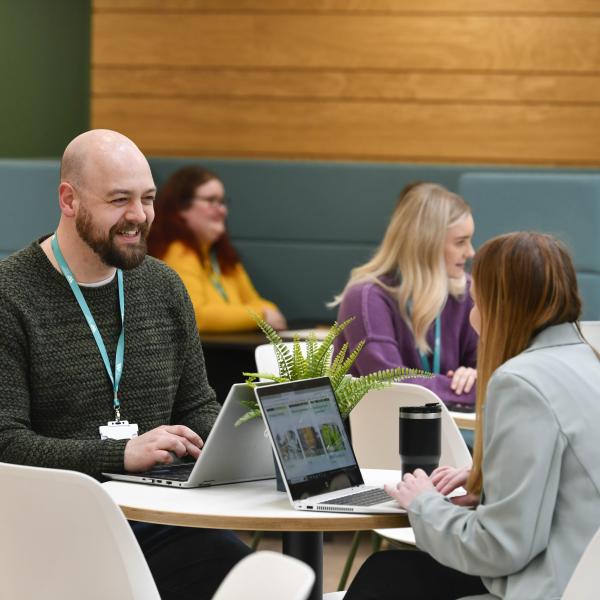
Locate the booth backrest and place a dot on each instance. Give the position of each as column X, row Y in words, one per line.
column 564, row 205
column 301, row 226
column 28, row 201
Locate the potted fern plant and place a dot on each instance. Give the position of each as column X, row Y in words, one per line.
column 318, row 361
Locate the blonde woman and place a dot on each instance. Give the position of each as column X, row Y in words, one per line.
column 410, row 302
column 534, row 501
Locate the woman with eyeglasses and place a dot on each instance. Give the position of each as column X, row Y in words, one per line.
column 533, row 501
column 411, row 301
column 189, row 234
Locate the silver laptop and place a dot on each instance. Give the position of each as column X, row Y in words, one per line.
column 230, row 454
column 313, row 451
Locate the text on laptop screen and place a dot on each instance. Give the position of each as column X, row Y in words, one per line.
column 309, row 434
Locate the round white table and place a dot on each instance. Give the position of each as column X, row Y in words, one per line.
column 251, row 506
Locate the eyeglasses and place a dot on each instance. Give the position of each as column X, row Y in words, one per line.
column 221, row 201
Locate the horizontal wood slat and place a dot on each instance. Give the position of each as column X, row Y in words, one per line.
column 363, row 130
column 372, row 6
column 349, row 85
column 522, row 44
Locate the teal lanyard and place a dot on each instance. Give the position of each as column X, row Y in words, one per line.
column 437, row 346
column 119, row 357
column 436, row 350
column 216, row 276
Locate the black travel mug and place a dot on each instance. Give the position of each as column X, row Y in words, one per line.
column 420, row 437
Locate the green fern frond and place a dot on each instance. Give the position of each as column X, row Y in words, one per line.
column 252, row 377
column 311, row 349
column 321, row 353
column 251, row 414
column 272, row 336
column 299, row 369
column 348, row 362
column 319, row 361
column 285, row 360
column 336, row 371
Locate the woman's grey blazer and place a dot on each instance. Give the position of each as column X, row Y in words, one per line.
column 541, row 475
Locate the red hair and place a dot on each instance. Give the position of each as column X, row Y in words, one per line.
column 175, row 196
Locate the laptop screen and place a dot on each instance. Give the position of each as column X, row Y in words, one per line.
column 309, row 436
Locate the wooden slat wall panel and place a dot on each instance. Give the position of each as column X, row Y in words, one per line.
column 186, row 82
column 568, row 44
column 369, row 130
column 497, row 81
column 363, row 6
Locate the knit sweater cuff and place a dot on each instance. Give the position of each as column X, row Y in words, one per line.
column 112, row 456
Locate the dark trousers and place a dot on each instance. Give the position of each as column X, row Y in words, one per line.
column 186, row 562
column 410, row 575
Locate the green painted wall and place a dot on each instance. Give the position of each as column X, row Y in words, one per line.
column 44, row 75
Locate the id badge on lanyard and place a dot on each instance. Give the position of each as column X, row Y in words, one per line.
column 117, row 429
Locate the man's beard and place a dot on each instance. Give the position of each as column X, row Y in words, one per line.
column 127, row 257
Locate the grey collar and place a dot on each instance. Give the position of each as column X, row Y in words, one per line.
column 564, row 334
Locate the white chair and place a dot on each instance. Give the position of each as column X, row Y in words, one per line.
column 63, row 536
column 375, row 437
column 266, row 361
column 585, row 581
column 267, row 576
column 374, row 425
column 591, row 332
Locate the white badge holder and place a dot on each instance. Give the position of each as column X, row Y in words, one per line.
column 118, row 430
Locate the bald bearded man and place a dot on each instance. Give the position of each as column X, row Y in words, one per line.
column 61, row 380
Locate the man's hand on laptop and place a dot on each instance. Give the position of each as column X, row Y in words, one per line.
column 157, row 445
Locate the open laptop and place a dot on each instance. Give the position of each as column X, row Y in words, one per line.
column 230, row 454
column 313, row 451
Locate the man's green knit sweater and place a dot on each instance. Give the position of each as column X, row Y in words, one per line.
column 54, row 389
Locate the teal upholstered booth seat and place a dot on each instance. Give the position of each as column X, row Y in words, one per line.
column 28, row 201
column 565, row 205
column 301, row 226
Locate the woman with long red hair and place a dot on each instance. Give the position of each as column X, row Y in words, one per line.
column 533, row 493
column 189, row 234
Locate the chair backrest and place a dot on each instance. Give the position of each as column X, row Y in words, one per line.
column 63, row 536
column 374, row 426
column 268, row 576
column 266, row 361
column 585, row 580
column 591, row 332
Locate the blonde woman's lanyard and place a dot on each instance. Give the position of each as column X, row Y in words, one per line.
column 437, row 346
column 116, row 378
column 216, row 275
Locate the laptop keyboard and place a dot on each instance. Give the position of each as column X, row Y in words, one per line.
column 368, row 498
column 179, row 472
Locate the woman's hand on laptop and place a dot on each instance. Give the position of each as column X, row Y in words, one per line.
column 448, row 479
column 157, row 445
column 411, row 486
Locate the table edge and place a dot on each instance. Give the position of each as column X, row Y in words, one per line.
column 351, row 522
